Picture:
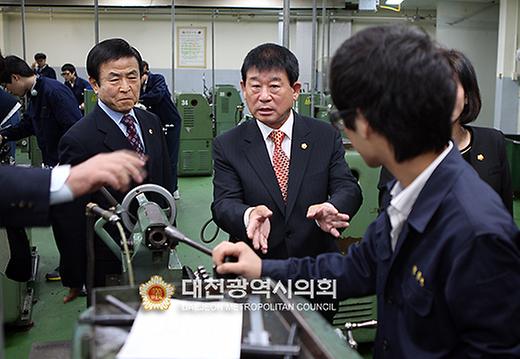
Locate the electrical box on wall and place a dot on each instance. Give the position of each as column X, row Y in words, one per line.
column 369, row 5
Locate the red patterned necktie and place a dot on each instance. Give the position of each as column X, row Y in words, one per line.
column 132, row 135
column 280, row 162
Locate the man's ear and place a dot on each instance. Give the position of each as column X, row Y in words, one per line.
column 297, row 86
column 15, row 78
column 94, row 84
column 363, row 128
column 243, row 86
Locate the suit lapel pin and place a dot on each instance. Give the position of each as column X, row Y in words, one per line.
column 150, row 131
column 303, row 146
column 480, row 157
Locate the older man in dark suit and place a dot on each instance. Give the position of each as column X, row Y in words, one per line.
column 281, row 182
column 113, row 67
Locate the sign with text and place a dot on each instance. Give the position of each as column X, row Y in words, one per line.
column 191, row 47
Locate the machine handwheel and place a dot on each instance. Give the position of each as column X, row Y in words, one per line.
column 171, row 210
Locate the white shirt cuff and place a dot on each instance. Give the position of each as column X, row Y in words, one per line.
column 246, row 216
column 60, row 191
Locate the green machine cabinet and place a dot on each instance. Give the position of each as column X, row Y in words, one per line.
column 513, row 156
column 322, row 106
column 228, row 108
column 303, row 104
column 196, row 135
column 359, row 310
column 368, row 178
column 90, row 100
column 35, row 154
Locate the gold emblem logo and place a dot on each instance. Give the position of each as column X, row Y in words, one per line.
column 156, row 293
column 480, row 157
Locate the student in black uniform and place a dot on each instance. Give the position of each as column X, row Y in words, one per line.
column 483, row 148
column 75, row 83
column 444, row 257
column 41, row 68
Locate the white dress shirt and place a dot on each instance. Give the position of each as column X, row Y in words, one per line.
column 403, row 199
column 287, row 129
column 117, row 117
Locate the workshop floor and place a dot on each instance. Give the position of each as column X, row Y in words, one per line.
column 55, row 321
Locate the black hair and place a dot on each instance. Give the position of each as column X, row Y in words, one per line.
column 68, row 67
column 463, row 69
column 145, row 67
column 110, row 50
column 40, row 56
column 402, row 84
column 270, row 57
column 13, row 65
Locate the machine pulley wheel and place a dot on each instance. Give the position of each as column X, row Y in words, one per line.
column 171, row 210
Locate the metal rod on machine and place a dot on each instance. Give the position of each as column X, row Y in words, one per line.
column 96, row 22
column 323, row 18
column 313, row 54
column 286, row 19
column 213, row 87
column 24, row 45
column 174, row 233
column 328, row 47
column 173, row 51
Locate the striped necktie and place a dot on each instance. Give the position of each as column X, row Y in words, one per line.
column 132, row 135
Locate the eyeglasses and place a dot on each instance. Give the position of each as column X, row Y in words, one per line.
column 341, row 119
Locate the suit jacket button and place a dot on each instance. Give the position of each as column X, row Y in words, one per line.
column 389, row 301
column 386, row 345
column 21, row 204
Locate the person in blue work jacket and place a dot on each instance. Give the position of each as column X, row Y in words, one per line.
column 51, row 111
column 41, row 68
column 443, row 258
column 52, row 108
column 76, row 84
column 157, row 99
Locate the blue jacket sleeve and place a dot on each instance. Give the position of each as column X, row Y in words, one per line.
column 355, row 273
column 483, row 295
column 156, row 90
column 63, row 103
column 22, row 129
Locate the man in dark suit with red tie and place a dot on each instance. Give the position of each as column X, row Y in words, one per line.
column 281, row 183
column 113, row 67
